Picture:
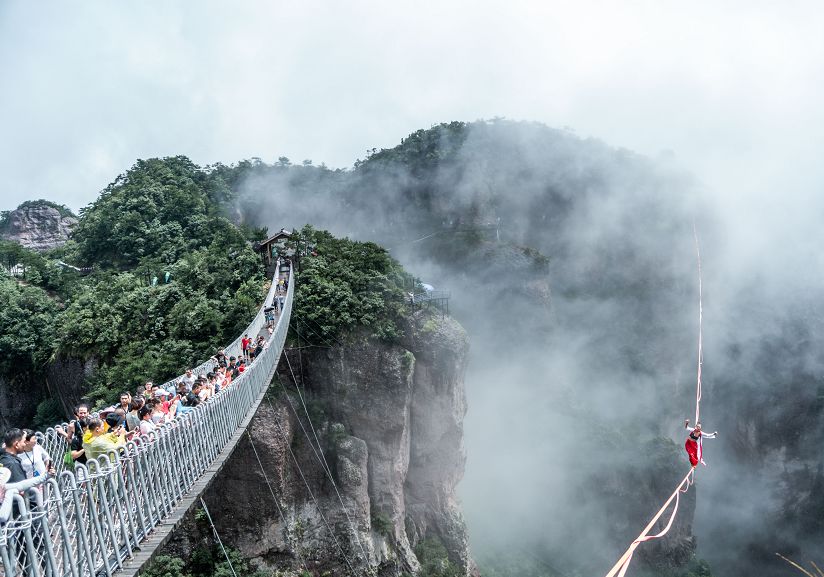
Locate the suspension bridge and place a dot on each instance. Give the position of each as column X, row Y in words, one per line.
column 110, row 516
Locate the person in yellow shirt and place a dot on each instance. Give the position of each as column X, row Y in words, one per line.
column 97, row 441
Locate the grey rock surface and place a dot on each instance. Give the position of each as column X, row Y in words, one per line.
column 387, row 423
column 38, row 227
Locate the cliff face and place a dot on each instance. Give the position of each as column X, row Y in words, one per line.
column 38, row 227
column 18, row 400
column 63, row 381
column 389, row 426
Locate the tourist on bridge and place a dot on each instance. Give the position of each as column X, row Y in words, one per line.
column 76, row 443
column 13, row 445
column 36, row 461
column 146, row 424
column 98, row 442
column 232, row 368
column 261, row 345
column 270, row 318
column 73, row 433
column 132, row 419
column 188, row 379
column 122, row 407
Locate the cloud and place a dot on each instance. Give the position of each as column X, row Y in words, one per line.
column 733, row 90
column 728, row 93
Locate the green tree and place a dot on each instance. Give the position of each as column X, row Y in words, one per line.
column 343, row 285
column 166, row 566
column 26, row 323
column 434, row 559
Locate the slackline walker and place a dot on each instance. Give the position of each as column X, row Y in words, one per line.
column 693, row 447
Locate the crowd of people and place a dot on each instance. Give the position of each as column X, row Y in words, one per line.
column 89, row 436
column 134, row 417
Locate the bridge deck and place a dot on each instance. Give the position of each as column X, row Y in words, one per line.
column 111, row 517
column 162, row 532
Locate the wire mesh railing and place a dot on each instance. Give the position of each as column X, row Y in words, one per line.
column 85, row 522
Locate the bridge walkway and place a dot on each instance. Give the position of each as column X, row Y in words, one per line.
column 110, row 516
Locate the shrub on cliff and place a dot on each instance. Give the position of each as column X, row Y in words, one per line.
column 343, row 285
column 434, row 559
column 26, row 319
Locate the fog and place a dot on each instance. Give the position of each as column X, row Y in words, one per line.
column 564, row 398
column 670, row 117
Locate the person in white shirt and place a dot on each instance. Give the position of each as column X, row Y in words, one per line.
column 188, row 379
column 36, row 461
column 147, row 425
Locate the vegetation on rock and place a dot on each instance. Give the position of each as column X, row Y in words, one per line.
column 343, row 284
column 172, row 280
column 62, row 209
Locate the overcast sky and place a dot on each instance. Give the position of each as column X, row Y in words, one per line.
column 734, row 91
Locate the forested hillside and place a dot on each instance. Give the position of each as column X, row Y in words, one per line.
column 172, row 279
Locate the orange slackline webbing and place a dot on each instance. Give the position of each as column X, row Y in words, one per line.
column 620, row 568
column 700, row 329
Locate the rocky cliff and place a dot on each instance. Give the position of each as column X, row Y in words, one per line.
column 370, row 478
column 38, row 226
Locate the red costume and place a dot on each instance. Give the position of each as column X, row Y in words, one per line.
column 693, row 445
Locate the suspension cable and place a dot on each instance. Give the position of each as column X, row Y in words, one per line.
column 217, row 536
column 320, row 456
column 312, row 495
column 274, row 498
column 321, row 337
column 301, row 337
column 340, row 499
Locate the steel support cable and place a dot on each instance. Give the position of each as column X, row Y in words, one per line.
column 319, row 451
column 620, row 568
column 312, row 495
column 274, row 497
column 217, row 536
column 310, row 344
column 326, row 345
column 325, row 468
column 321, row 337
column 320, row 456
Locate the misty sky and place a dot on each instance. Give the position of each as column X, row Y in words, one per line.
column 733, row 92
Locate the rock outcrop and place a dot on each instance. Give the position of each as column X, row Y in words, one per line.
column 38, row 226
column 388, row 428
column 19, row 396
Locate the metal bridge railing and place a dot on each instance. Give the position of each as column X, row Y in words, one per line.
column 86, row 522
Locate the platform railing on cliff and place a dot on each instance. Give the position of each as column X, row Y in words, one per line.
column 91, row 520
